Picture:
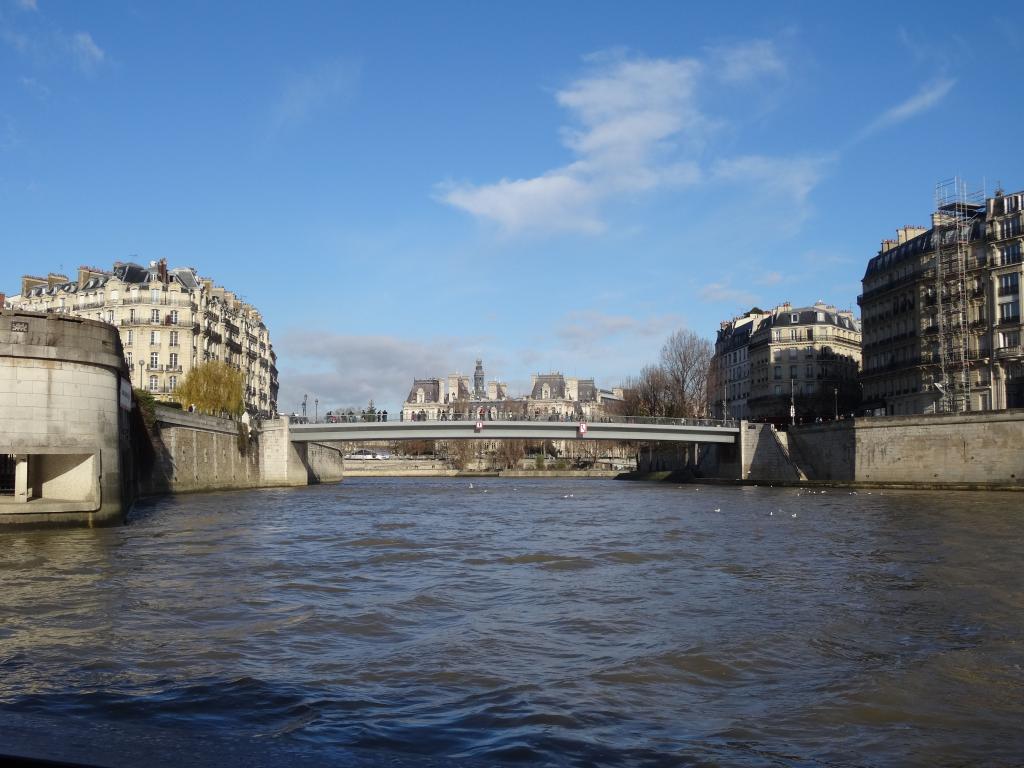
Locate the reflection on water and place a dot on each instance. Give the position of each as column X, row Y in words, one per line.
column 556, row 621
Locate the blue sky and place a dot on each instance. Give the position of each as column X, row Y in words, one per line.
column 401, row 187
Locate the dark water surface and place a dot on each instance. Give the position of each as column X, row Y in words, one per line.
column 557, row 622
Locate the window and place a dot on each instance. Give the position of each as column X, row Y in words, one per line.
column 810, row 372
column 154, row 359
column 114, row 297
column 154, row 337
column 153, row 384
column 778, row 372
column 810, row 334
column 792, row 371
column 154, row 315
column 777, row 355
column 128, row 359
column 792, row 353
column 1009, row 284
column 778, row 389
column 131, row 315
column 174, row 317
column 173, row 361
column 154, row 296
column 821, row 317
column 1009, row 312
column 1011, row 254
column 174, row 338
column 793, row 334
column 1011, row 339
column 173, row 383
column 795, row 317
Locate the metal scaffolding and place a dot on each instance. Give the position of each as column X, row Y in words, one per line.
column 956, row 210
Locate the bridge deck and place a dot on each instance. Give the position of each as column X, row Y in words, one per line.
column 512, row 430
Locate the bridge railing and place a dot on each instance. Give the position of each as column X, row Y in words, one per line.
column 556, row 418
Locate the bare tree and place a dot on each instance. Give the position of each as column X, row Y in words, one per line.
column 685, row 362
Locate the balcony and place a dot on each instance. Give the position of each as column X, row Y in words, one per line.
column 1010, row 320
column 1003, row 352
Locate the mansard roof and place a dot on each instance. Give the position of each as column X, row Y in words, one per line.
column 556, row 386
column 431, row 390
column 923, row 243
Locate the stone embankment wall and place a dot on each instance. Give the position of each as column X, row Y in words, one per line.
column 967, row 450
column 975, row 450
column 192, row 452
column 64, row 399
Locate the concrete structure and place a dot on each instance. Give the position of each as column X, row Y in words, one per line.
column 192, row 452
column 804, row 357
column 666, row 430
column 552, row 396
column 941, row 311
column 170, row 320
column 971, row 451
column 64, row 427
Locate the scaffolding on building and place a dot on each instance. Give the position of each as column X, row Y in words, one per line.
column 956, row 210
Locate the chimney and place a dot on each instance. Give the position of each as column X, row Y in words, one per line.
column 161, row 270
column 55, row 278
column 28, row 282
column 3, row 298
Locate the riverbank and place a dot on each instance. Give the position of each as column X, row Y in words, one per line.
column 401, row 469
column 683, row 477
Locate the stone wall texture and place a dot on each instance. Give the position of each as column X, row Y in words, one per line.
column 983, row 449
column 193, row 452
column 60, row 379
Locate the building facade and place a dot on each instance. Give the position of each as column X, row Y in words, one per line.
column 941, row 311
column 169, row 320
column 552, row 397
column 790, row 363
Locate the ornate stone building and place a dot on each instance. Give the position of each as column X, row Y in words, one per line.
column 803, row 360
column 941, row 311
column 170, row 320
column 552, row 396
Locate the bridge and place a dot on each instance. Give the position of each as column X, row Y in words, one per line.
column 617, row 428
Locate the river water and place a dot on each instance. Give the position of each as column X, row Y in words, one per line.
column 539, row 622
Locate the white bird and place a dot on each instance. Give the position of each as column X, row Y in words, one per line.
column 793, row 515
column 718, row 509
column 771, row 514
column 471, row 485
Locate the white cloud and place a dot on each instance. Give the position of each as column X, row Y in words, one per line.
column 926, row 98
column 724, row 293
column 86, row 53
column 28, row 5
column 769, row 278
column 632, row 119
column 343, row 370
column 305, row 94
column 584, row 328
column 747, row 61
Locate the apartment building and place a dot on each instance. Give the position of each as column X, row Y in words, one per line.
column 941, row 311
column 170, row 321
column 789, row 363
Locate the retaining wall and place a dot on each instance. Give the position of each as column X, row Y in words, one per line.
column 193, row 452
column 975, row 449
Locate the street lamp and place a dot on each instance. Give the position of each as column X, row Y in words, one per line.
column 316, row 410
column 304, row 398
column 835, row 393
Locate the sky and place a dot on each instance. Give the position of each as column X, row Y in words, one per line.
column 401, row 188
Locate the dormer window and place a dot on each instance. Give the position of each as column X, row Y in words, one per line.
column 795, row 317
column 545, row 392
